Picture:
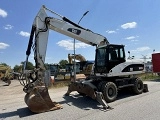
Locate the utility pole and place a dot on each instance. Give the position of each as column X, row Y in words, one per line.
column 75, row 47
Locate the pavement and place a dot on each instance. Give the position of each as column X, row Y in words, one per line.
column 145, row 106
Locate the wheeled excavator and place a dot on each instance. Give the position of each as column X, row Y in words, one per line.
column 77, row 57
column 85, row 66
column 111, row 71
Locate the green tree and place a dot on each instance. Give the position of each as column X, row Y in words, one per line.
column 29, row 66
column 17, row 68
column 4, row 64
column 62, row 63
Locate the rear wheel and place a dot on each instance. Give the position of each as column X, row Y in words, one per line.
column 138, row 86
column 109, row 91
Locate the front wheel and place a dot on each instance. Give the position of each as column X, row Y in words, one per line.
column 109, row 91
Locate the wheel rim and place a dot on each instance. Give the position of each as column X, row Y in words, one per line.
column 111, row 92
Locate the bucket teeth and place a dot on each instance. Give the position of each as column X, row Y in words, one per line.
column 57, row 106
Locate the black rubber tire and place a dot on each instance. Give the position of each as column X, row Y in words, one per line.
column 82, row 94
column 99, row 86
column 138, row 86
column 109, row 92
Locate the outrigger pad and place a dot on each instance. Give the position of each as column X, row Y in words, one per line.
column 38, row 100
column 99, row 98
column 145, row 88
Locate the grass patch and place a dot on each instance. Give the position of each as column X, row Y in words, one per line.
column 148, row 76
column 59, row 84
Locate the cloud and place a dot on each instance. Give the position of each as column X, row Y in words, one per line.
column 110, row 31
column 68, row 44
column 8, row 27
column 25, row 34
column 141, row 49
column 3, row 13
column 3, row 45
column 129, row 25
column 81, row 45
column 132, row 38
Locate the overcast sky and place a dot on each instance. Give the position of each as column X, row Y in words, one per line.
column 133, row 23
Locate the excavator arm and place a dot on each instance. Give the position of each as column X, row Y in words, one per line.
column 37, row 97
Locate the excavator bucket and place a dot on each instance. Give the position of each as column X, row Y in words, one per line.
column 38, row 100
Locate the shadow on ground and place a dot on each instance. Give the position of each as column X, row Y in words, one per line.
column 124, row 93
column 82, row 102
column 22, row 112
column 87, row 103
column 4, row 85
